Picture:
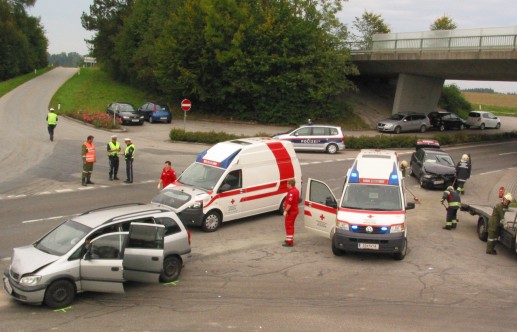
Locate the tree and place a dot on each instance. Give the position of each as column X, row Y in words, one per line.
column 443, row 23
column 452, row 100
column 366, row 26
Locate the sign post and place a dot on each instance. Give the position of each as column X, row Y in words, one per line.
column 185, row 106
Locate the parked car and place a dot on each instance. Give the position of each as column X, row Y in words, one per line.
column 446, row 120
column 433, row 168
column 97, row 251
column 126, row 113
column 400, row 122
column 315, row 138
column 156, row 112
column 482, row 120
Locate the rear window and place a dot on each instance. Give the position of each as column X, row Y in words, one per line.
column 474, row 115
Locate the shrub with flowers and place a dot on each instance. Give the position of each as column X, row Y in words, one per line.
column 101, row 120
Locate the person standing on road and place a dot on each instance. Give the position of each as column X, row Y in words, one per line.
column 463, row 169
column 454, row 200
column 168, row 176
column 129, row 155
column 52, row 123
column 113, row 156
column 88, row 153
column 494, row 223
column 290, row 211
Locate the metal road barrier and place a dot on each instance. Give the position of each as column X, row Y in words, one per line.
column 489, row 39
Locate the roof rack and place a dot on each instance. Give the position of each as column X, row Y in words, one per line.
column 110, row 207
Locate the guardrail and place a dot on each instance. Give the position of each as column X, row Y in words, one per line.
column 441, row 40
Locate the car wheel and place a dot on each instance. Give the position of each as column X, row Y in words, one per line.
column 171, row 269
column 169, row 120
column 482, row 229
column 332, row 148
column 442, row 127
column 59, row 294
column 397, row 130
column 423, row 129
column 281, row 207
column 498, row 125
column 482, row 127
column 151, row 119
column 402, row 253
column 411, row 173
column 211, row 221
column 462, row 126
column 335, row 250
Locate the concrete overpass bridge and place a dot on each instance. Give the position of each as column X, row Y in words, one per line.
column 422, row 61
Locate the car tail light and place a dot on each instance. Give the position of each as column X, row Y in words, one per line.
column 188, row 232
column 154, row 109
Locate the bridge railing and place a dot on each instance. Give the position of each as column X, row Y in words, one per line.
column 471, row 39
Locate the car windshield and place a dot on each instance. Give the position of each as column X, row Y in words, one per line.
column 397, row 117
column 171, row 197
column 372, row 197
column 127, row 108
column 62, row 238
column 442, row 159
column 200, row 175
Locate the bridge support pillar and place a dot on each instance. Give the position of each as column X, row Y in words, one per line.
column 417, row 93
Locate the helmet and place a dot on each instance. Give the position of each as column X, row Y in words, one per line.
column 508, row 197
column 465, row 157
column 51, row 109
column 403, row 164
column 450, row 188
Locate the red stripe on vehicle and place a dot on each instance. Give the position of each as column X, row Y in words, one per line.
column 321, row 207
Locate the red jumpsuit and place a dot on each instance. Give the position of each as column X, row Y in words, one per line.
column 291, row 208
column 168, row 176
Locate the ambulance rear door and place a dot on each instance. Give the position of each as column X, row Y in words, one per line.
column 320, row 210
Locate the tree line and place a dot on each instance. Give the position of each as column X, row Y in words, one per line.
column 24, row 45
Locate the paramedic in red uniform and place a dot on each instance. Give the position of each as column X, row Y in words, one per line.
column 168, row 175
column 290, row 211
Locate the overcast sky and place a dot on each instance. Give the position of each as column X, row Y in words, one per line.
column 61, row 20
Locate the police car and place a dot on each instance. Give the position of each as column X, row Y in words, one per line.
column 315, row 138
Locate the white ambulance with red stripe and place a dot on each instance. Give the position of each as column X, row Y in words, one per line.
column 233, row 180
column 371, row 215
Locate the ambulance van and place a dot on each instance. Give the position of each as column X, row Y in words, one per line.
column 371, row 214
column 233, row 180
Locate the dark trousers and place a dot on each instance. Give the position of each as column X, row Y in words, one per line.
column 51, row 131
column 114, row 162
column 129, row 169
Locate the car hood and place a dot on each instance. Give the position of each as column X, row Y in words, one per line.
column 389, row 121
column 29, row 259
column 439, row 168
column 179, row 196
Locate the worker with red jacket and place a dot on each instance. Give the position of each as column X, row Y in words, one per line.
column 290, row 211
column 168, row 175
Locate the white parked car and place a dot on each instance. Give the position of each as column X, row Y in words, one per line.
column 324, row 138
column 482, row 120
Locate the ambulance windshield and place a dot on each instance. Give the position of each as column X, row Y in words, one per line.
column 201, row 176
column 372, row 197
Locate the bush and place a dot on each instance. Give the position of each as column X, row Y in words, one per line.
column 101, row 120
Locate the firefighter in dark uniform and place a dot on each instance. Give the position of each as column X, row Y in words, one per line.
column 454, row 201
column 494, row 223
column 463, row 169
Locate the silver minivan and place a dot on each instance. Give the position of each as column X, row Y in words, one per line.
column 97, row 251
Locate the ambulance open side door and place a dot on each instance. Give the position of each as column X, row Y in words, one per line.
column 320, row 209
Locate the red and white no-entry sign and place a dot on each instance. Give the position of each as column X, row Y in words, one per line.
column 186, row 104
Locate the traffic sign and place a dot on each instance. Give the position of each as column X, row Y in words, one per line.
column 186, row 104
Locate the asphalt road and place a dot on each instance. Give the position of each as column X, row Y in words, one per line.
column 240, row 277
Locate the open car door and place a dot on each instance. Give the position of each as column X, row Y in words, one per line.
column 143, row 254
column 101, row 266
column 320, row 210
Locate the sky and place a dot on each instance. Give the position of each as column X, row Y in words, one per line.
column 61, row 20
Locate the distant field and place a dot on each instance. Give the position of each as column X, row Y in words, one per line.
column 498, row 103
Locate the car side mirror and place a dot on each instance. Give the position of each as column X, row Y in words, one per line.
column 410, row 205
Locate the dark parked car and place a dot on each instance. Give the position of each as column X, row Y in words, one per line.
column 446, row 120
column 126, row 113
column 156, row 112
column 433, row 167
